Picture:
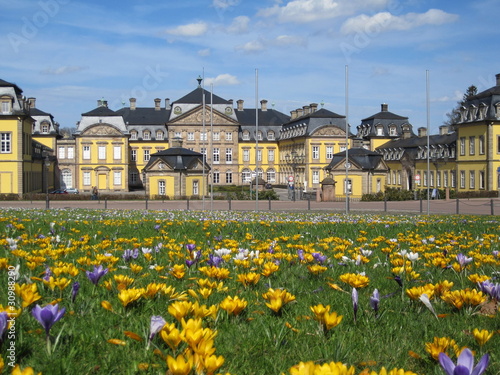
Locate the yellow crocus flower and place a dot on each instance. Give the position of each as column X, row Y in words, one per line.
column 212, row 363
column 482, row 336
column 180, row 365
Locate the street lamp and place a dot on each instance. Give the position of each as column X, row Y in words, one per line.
column 294, row 160
column 46, row 165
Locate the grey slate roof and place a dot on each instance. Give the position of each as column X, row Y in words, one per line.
column 9, row 84
column 366, row 159
column 385, row 119
column 101, row 111
column 144, row 116
column 178, row 158
column 311, row 122
column 196, row 97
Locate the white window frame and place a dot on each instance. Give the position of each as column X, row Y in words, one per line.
column 472, row 145
column 216, row 136
column 229, row 155
column 229, row 136
column 216, row 155
column 271, row 175
column 329, row 152
column 216, row 177
column 70, row 152
column 203, row 136
column 86, row 153
column 162, row 187
column 133, row 135
column 315, row 177
column 147, row 155
column 190, row 136
column 246, row 155
column 259, row 155
column 270, row 135
column 159, row 135
column 246, row 136
column 315, row 152
column 472, row 179
column 86, row 178
column 117, row 152
column 229, row 177
column 133, row 155
column 102, row 152
column 117, row 178
column 61, row 153
column 196, row 187
column 270, row 155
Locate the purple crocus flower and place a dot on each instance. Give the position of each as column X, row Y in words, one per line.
column 157, row 227
column 465, row 364
column 74, row 290
column 463, row 260
column 355, row 302
column 129, row 254
column 4, row 323
column 48, row 315
column 214, row 261
column 190, row 246
column 48, row 273
column 157, row 323
column 374, row 300
column 493, row 290
column 95, row 275
column 300, row 254
column 318, row 257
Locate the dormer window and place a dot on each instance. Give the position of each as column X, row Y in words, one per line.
column 380, row 130
column 392, row 131
column 159, row 135
column 246, row 135
column 270, row 135
column 6, row 105
column 133, row 135
column 45, row 128
column 259, row 135
column 146, row 135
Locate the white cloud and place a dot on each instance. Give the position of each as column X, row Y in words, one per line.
column 385, row 21
column 458, row 96
column 303, row 11
column 289, row 40
column 192, row 29
column 239, row 25
column 61, row 70
column 224, row 4
column 222, row 80
column 252, row 47
column 204, row 52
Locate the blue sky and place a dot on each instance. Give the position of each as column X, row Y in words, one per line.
column 70, row 53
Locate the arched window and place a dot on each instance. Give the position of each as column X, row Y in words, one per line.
column 271, row 175
column 133, row 135
column 159, row 135
column 146, row 135
column 246, row 175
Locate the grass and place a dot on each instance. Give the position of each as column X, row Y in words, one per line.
column 259, row 340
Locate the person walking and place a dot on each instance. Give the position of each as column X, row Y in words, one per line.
column 95, row 192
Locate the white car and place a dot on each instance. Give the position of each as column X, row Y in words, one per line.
column 72, row 191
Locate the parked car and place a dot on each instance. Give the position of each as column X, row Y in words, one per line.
column 72, row 191
column 58, row 191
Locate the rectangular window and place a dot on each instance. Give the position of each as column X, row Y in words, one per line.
column 342, row 148
column 203, row 136
column 133, row 155
column 453, row 177
column 216, row 136
column 462, row 179
column 195, row 187
column 246, row 155
column 271, row 176
column 329, row 152
column 229, row 136
column 102, row 152
column 133, row 136
column 6, row 145
column 177, row 135
column 462, row 145
column 270, row 155
column 61, row 153
column 270, row 136
column 315, row 152
column 472, row 179
column 133, row 178
column 161, row 187
column 117, row 178
column 5, row 107
column 86, row 152
column 431, row 179
column 315, row 177
column 481, row 179
column 259, row 155
column 472, row 145
column 203, row 150
column 71, row 152
column 445, row 179
column 216, row 177
column 117, row 152
column 147, row 155
column 159, row 135
column 216, row 155
column 229, row 177
column 399, row 177
column 481, row 144
column 146, row 135
column 229, row 155
column 438, row 179
column 86, row 178
column 190, row 136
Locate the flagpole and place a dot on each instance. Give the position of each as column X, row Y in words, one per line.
column 428, row 139
column 204, row 140
column 256, row 140
column 211, row 144
column 346, row 184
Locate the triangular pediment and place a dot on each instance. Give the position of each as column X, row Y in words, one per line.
column 101, row 129
column 159, row 165
column 195, row 117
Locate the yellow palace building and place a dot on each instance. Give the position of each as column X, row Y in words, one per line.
column 177, row 149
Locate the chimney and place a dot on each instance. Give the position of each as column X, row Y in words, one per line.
column 299, row 112
column 406, row 133
column 293, row 114
column 422, row 132
column 132, row 104
column 167, row 103
column 32, row 102
column 498, row 79
column 263, row 105
column 314, row 107
column 157, row 104
column 306, row 109
column 240, row 104
column 102, row 103
column 384, row 107
column 176, row 142
column 443, row 130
